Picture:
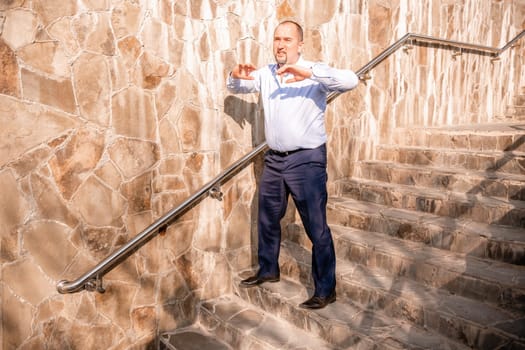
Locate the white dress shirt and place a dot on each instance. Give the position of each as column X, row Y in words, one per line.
column 294, row 112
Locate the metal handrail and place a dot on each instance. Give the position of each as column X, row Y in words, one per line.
column 425, row 40
column 92, row 280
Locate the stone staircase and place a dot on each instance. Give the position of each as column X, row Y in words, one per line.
column 430, row 245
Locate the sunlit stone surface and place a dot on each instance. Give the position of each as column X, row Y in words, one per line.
column 115, row 111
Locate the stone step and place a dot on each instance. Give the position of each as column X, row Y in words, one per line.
column 244, row 326
column 193, row 337
column 506, row 186
column 496, row 136
column 477, row 324
column 483, row 280
column 519, row 100
column 511, row 162
column 518, row 112
column 512, row 115
column 499, row 243
column 435, row 201
column 343, row 324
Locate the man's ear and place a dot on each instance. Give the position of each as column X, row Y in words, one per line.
column 300, row 47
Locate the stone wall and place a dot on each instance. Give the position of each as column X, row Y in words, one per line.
column 115, row 111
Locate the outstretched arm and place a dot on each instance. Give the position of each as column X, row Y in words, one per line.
column 299, row 73
column 241, row 80
column 243, row 71
column 332, row 79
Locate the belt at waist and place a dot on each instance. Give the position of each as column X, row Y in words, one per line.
column 285, row 153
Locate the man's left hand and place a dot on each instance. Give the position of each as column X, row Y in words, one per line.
column 299, row 73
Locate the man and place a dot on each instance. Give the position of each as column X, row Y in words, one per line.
column 293, row 92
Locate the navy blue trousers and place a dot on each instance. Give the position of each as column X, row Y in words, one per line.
column 302, row 175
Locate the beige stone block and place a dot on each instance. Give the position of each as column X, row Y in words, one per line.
column 49, row 245
column 152, row 260
column 34, row 287
column 134, row 114
column 191, row 91
column 97, row 5
column 168, row 183
column 238, row 227
column 165, row 97
column 147, row 290
column 219, row 279
column 144, row 321
column 30, row 161
column 93, row 88
column 170, row 317
column 172, row 165
column 14, row 209
column 99, row 241
column 56, row 333
column 178, row 237
column 109, row 174
column 76, row 160
column 204, row 47
column 93, row 32
column 120, row 77
column 138, row 193
column 190, row 127
column 380, row 18
column 49, row 10
column 169, row 138
column 172, row 288
column 9, row 80
column 166, row 11
column 150, row 70
column 116, row 303
column 18, row 116
column 6, row 5
column 167, row 201
column 138, row 222
column 48, row 310
column 79, row 266
column 133, row 157
column 48, row 57
column 17, row 317
column 86, row 336
column 99, row 205
column 156, row 38
column 126, row 17
column 203, row 9
column 49, row 204
column 130, row 49
column 60, row 30
column 9, row 247
column 243, row 258
column 128, row 271
column 37, row 342
column 20, row 28
column 57, row 93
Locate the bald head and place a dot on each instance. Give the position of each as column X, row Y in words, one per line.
column 287, row 42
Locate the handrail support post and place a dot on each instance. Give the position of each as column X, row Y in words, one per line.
column 216, row 193
column 95, row 284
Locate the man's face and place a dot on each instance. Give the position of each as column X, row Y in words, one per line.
column 286, row 44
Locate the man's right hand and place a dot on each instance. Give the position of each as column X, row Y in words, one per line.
column 242, row 71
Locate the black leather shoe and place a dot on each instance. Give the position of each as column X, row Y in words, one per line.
column 316, row 302
column 256, row 280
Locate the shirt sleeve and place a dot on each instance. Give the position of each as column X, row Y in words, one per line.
column 243, row 86
column 333, row 79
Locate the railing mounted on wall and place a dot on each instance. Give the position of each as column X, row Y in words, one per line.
column 92, row 280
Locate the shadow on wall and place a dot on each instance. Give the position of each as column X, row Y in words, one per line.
column 243, row 113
